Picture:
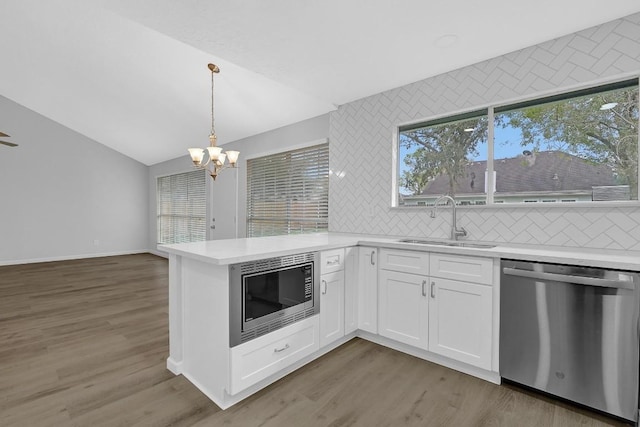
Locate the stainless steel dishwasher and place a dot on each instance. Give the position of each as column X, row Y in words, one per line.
column 573, row 332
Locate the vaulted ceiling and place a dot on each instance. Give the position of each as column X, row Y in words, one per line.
column 132, row 74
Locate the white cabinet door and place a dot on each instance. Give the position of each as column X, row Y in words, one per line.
column 331, row 307
column 350, row 290
column 460, row 321
column 403, row 307
column 368, row 289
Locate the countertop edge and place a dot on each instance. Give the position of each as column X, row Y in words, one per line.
column 614, row 259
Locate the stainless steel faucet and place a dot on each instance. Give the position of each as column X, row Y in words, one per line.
column 455, row 232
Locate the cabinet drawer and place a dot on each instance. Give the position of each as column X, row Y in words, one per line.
column 412, row 262
column 255, row 360
column 331, row 261
column 460, row 267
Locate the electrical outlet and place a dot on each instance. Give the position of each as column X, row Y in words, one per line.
column 96, row 242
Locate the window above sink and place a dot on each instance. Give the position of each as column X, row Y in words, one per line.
column 573, row 147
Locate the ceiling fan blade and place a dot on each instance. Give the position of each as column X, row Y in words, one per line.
column 10, row 144
column 3, row 134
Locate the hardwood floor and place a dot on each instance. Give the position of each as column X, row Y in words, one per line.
column 85, row 342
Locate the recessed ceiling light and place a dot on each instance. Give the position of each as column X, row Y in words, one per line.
column 469, row 129
column 446, row 40
column 608, row 106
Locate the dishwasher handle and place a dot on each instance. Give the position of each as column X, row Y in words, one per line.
column 565, row 278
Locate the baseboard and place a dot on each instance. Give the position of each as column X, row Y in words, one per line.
column 72, row 257
column 159, row 253
column 173, row 366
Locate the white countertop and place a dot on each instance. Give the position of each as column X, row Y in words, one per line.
column 231, row 251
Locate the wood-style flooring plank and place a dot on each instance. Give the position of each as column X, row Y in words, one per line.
column 85, row 342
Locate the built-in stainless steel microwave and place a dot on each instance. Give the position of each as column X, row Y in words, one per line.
column 266, row 295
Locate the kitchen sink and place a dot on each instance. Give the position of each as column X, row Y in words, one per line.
column 472, row 245
column 445, row 243
column 424, row 242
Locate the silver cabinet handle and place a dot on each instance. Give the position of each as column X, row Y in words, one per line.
column 324, row 282
column 335, row 262
column 424, row 288
column 373, row 261
column 433, row 289
column 279, row 350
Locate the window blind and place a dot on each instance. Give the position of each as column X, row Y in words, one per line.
column 181, row 207
column 288, row 193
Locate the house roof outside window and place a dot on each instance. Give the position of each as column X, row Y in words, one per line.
column 545, row 173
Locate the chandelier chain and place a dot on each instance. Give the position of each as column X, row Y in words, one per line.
column 213, row 130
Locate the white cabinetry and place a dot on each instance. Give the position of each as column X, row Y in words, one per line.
column 438, row 302
column 331, row 261
column 403, row 307
column 350, row 290
column 331, row 296
column 461, row 267
column 412, row 262
column 461, row 310
column 259, row 358
column 368, row 289
column 402, row 295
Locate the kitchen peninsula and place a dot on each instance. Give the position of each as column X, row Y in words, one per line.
column 386, row 293
column 199, row 313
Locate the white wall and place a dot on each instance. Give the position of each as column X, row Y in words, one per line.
column 361, row 141
column 223, row 191
column 60, row 192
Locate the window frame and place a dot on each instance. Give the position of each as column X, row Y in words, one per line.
column 620, row 81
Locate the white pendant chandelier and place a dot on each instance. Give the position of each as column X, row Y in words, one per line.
column 216, row 158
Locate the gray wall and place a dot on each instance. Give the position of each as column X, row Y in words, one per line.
column 61, row 191
column 223, row 192
column 361, row 144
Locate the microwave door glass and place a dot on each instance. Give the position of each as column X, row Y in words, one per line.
column 271, row 292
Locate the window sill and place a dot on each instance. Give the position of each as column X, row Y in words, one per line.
column 538, row 205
